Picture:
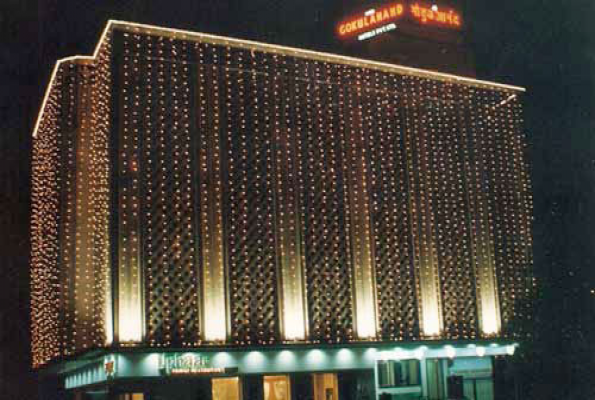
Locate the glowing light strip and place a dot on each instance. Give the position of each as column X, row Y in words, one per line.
column 65, row 60
column 356, row 169
column 290, row 51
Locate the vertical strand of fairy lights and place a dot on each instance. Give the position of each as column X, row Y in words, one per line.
column 130, row 296
column 235, row 196
column 46, row 285
column 525, row 279
column 163, row 141
column 99, row 175
column 441, row 189
column 309, row 190
column 340, row 180
column 268, row 292
column 491, row 155
column 388, row 196
column 211, row 197
column 423, row 221
column 151, row 262
column 330, row 129
column 303, row 176
column 188, row 196
column 437, row 181
column 483, row 245
column 83, row 209
column 355, row 169
column 377, row 133
column 467, row 125
column 182, row 247
column 513, row 231
column 407, row 281
column 505, row 226
column 290, row 258
column 458, row 280
column 68, row 197
column 475, row 192
column 411, row 163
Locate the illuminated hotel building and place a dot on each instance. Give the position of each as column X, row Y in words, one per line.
column 222, row 219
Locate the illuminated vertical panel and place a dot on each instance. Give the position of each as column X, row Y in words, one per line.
column 68, row 125
column 160, row 117
column 486, row 274
column 46, row 285
column 451, row 212
column 250, row 190
column 355, row 168
column 83, row 278
column 524, row 279
column 130, row 299
column 389, row 196
column 323, row 208
column 482, row 188
column 510, row 206
column 421, row 203
column 101, row 193
column 288, row 233
column 211, row 204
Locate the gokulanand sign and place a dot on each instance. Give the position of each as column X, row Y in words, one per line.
column 382, row 19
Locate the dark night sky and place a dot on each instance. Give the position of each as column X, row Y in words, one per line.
column 546, row 46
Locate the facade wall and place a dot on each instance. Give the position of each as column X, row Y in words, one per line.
column 259, row 195
column 71, row 276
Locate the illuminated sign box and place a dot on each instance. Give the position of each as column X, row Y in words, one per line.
column 376, row 21
column 371, row 19
column 190, row 364
column 448, row 18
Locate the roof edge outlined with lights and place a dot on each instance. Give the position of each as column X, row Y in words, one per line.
column 264, row 47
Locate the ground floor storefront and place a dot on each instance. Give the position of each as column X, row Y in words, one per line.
column 351, row 372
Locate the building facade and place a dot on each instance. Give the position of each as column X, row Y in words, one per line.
column 222, row 219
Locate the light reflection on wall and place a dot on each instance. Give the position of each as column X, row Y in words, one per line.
column 213, row 274
column 130, row 317
column 432, row 317
column 487, row 293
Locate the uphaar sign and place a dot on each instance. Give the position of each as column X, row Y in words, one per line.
column 380, row 20
column 190, row 364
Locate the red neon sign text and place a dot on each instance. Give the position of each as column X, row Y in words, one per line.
column 359, row 24
column 426, row 15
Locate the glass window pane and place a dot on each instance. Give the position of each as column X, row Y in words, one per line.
column 386, row 374
column 276, row 388
column 326, row 387
column 226, row 388
column 398, row 373
column 131, row 396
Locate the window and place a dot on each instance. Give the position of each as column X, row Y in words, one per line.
column 276, row 388
column 398, row 373
column 226, row 388
column 131, row 396
column 325, row 387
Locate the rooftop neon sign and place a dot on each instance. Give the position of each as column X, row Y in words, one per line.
column 370, row 19
column 385, row 15
column 432, row 15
